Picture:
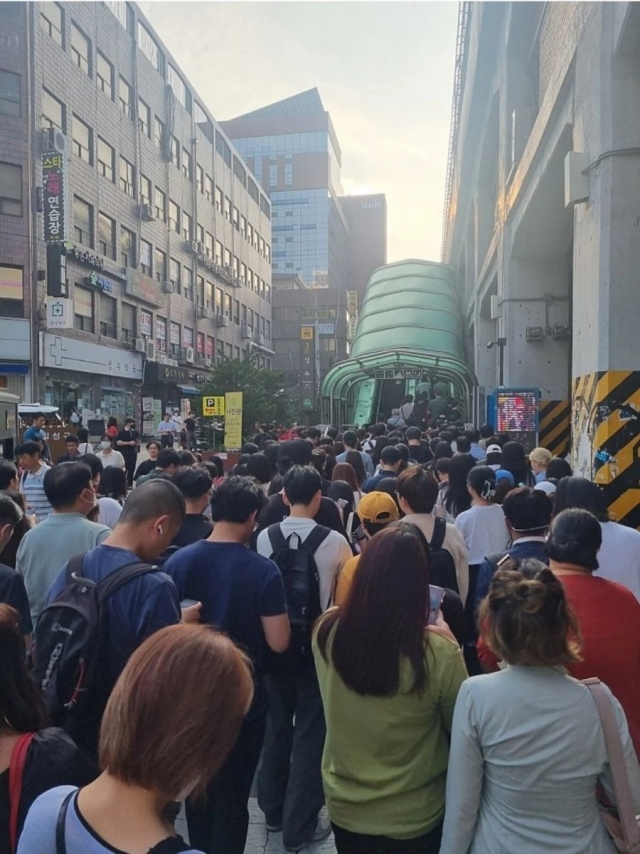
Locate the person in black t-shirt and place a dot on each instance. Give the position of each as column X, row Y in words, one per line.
column 127, row 442
column 147, row 466
column 72, row 444
column 12, row 589
column 195, row 486
column 190, row 427
column 418, row 450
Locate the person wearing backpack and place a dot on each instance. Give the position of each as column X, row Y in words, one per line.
column 33, row 756
column 242, row 595
column 102, row 606
column 417, row 493
column 310, row 558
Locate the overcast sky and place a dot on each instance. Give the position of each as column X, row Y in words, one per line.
column 384, row 71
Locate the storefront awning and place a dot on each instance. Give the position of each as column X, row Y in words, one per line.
column 189, row 389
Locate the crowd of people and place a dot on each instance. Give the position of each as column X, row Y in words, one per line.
column 393, row 622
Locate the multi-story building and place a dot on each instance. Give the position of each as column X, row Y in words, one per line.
column 541, row 220
column 157, row 236
column 327, row 239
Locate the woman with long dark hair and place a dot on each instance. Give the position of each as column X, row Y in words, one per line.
column 42, row 757
column 388, row 687
column 455, row 497
column 354, row 459
column 514, row 460
column 346, row 472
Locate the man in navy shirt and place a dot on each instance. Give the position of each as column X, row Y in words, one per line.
column 150, row 519
column 242, row 595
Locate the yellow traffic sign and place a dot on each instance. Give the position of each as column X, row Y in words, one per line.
column 213, row 406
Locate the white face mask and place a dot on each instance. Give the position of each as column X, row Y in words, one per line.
column 105, row 445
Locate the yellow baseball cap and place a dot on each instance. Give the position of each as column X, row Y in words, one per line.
column 378, row 507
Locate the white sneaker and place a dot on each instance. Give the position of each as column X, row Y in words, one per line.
column 323, row 829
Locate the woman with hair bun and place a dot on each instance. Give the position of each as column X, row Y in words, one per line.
column 527, row 747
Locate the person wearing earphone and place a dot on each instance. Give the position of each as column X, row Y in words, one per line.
column 147, row 602
column 485, row 532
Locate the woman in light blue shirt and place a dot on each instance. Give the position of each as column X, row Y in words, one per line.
column 527, row 747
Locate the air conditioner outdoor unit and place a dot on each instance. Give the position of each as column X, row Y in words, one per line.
column 140, row 345
column 203, row 312
column 150, row 349
column 190, row 354
column 147, row 213
column 260, row 338
column 53, row 140
column 193, row 246
column 222, row 320
column 200, row 248
column 247, row 332
column 167, row 287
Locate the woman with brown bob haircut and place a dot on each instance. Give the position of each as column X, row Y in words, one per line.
column 169, row 725
column 527, row 747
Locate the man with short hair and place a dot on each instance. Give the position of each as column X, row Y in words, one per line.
column 8, row 476
column 127, row 442
column 150, row 519
column 32, row 480
column 390, row 462
column 527, row 513
column 290, row 781
column 72, row 444
column 419, row 451
column 242, row 595
column 376, row 432
column 166, row 464
column 190, row 427
column 313, row 436
column 64, row 533
column 475, row 449
column 350, row 441
column 167, row 429
column 417, row 494
column 12, row 589
column 195, row 486
column 35, row 433
column 376, row 510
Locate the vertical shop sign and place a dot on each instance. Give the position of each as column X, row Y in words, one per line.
column 308, row 368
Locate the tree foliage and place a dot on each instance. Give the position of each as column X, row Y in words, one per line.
column 264, row 396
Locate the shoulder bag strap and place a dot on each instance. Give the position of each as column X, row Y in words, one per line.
column 621, row 786
column 16, row 772
column 108, row 586
column 74, row 567
column 315, row 539
column 61, row 844
column 276, row 538
column 439, row 533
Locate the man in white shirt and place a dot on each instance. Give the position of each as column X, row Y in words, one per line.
column 290, row 782
column 350, row 440
column 167, row 429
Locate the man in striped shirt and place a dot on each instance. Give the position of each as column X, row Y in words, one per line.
column 32, row 480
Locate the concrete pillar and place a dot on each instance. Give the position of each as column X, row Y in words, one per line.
column 606, row 317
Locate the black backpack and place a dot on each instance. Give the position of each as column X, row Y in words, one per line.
column 69, row 662
column 301, row 592
column 443, row 568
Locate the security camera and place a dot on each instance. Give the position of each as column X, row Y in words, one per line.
column 490, row 344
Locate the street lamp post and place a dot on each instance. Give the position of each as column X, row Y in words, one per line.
column 500, row 343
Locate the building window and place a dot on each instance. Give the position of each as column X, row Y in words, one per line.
column 236, row 311
column 273, row 175
column 83, row 309
column 161, row 205
column 145, row 258
column 222, row 147
column 208, row 188
column 158, row 132
column 236, row 218
column 124, row 92
column 227, row 208
column 122, row 12
column 187, row 226
column 52, row 21
column 174, row 217
column 128, row 326
column 219, row 199
column 186, row 164
column 199, row 173
column 127, row 177
column 11, row 292
column 161, row 265
column 144, row 117
column 106, row 158
column 53, row 112
column 82, row 144
column 219, row 300
column 10, row 95
column 174, row 275
column 145, row 190
column 127, row 247
column 108, row 316
column 243, row 273
column 177, row 84
column 175, row 152
column 218, row 255
column 104, row 75
column 243, row 226
column 208, row 244
column 148, row 46
column 82, row 221
column 187, row 283
column 161, row 334
column 106, row 236
column 80, row 49
column 10, row 189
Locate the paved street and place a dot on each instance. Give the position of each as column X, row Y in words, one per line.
column 259, row 840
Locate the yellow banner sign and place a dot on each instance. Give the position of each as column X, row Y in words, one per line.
column 213, row 406
column 233, row 420
column 307, row 333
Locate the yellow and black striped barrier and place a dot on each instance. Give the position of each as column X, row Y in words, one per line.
column 554, row 427
column 606, row 438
